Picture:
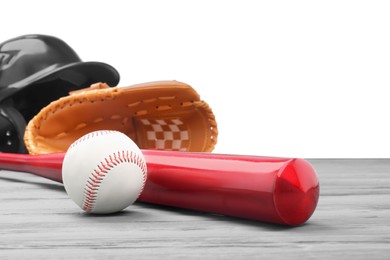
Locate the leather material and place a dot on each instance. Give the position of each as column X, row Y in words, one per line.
column 163, row 115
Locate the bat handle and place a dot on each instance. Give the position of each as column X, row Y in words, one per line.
column 45, row 165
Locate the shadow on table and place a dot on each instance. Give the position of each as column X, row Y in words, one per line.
column 51, row 186
column 210, row 216
column 220, row 218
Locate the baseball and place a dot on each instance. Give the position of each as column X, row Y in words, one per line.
column 104, row 172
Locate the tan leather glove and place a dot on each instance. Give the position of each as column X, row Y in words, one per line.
column 164, row 115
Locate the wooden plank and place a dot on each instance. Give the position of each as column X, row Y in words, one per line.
column 39, row 221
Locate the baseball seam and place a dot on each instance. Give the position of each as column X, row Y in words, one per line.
column 95, row 179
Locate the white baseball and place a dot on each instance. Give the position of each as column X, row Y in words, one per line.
column 104, row 172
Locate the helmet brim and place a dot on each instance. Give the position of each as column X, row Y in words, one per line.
column 78, row 74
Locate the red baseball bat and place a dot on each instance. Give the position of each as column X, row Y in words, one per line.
column 269, row 189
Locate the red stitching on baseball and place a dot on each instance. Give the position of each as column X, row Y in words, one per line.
column 103, row 168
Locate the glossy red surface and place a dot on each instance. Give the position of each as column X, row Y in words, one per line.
column 47, row 165
column 276, row 190
column 296, row 192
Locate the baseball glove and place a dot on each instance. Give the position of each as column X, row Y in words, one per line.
column 163, row 115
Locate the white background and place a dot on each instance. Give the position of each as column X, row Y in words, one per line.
column 284, row 78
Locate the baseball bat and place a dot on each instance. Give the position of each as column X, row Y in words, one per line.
column 269, row 189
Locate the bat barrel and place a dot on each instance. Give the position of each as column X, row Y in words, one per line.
column 277, row 190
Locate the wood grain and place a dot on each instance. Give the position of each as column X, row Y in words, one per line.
column 352, row 220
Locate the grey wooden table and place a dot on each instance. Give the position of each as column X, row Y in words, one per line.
column 352, row 221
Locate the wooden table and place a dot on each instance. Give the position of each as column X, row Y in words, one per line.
column 352, row 221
